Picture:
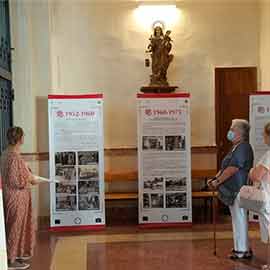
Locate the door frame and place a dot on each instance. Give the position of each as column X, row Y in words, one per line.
column 6, row 91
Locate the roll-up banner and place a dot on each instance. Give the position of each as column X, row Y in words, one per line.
column 164, row 162
column 259, row 115
column 76, row 162
column 3, row 250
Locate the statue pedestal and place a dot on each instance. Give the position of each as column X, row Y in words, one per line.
column 158, row 89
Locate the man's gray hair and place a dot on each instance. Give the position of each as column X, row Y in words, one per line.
column 242, row 126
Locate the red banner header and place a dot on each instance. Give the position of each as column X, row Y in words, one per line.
column 164, row 95
column 75, row 96
column 262, row 92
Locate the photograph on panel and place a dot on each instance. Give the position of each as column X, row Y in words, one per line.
column 146, row 200
column 152, row 143
column 88, row 172
column 175, row 143
column 153, row 184
column 176, row 183
column 65, row 158
column 157, row 200
column 66, row 203
column 87, row 157
column 176, row 200
column 89, row 202
column 86, row 187
column 62, row 188
column 65, row 173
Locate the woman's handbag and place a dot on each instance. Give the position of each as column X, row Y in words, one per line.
column 226, row 195
column 252, row 198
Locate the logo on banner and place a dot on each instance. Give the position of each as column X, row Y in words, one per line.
column 148, row 112
column 60, row 114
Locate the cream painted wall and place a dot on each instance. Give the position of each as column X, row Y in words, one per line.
column 31, row 81
column 100, row 47
column 80, row 47
column 265, row 45
column 31, row 70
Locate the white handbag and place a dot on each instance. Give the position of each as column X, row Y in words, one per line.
column 252, row 198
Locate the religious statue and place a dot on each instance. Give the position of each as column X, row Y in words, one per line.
column 160, row 47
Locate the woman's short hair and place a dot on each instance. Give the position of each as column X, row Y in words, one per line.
column 267, row 129
column 243, row 127
column 14, row 135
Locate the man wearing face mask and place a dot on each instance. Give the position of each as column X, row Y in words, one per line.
column 229, row 180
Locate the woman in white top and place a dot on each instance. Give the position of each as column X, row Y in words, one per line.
column 260, row 174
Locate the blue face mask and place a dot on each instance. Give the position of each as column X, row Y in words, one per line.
column 230, row 135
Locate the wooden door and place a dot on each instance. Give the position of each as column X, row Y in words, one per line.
column 233, row 86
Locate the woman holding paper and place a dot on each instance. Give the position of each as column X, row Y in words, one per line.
column 260, row 174
column 17, row 180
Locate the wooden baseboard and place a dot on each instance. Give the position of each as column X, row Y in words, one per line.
column 123, row 151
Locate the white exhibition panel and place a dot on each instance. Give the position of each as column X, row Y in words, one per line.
column 3, row 251
column 76, row 161
column 164, row 162
column 259, row 115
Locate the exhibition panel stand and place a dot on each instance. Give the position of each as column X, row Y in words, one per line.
column 259, row 115
column 76, row 162
column 3, row 251
column 164, row 162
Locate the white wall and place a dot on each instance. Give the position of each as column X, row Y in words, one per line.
column 265, row 45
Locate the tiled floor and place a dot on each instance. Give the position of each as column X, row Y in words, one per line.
column 128, row 248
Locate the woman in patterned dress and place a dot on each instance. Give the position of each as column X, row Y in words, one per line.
column 17, row 181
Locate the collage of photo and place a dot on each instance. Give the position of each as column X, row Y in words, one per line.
column 86, row 187
column 78, row 174
column 89, row 202
column 66, row 203
column 87, row 157
column 65, row 189
column 176, row 200
column 65, row 170
column 175, row 143
column 167, row 143
column 174, row 193
column 153, row 200
column 88, row 172
column 65, row 173
column 153, row 184
column 176, row 183
column 152, row 143
column 65, row 158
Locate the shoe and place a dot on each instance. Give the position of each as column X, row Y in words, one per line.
column 238, row 255
column 17, row 265
column 235, row 251
column 24, row 258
